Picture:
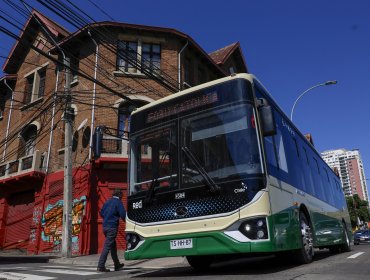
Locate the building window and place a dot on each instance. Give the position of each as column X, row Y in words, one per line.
column 124, row 117
column 127, row 56
column 35, row 86
column 28, row 140
column 41, row 86
column 151, row 57
column 28, row 89
column 137, row 57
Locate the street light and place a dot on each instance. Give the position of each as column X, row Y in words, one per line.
column 327, row 83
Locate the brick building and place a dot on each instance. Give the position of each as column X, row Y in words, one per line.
column 109, row 60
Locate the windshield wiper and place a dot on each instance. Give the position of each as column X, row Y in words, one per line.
column 150, row 193
column 213, row 187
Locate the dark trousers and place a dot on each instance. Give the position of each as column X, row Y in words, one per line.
column 109, row 245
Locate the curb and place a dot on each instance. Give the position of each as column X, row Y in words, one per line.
column 92, row 262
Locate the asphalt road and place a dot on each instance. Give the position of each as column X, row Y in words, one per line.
column 348, row 266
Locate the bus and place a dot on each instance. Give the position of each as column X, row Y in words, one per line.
column 218, row 170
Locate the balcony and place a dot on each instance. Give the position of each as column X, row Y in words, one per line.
column 116, row 150
column 115, row 147
column 24, row 165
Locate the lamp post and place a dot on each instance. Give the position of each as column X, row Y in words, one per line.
column 327, row 83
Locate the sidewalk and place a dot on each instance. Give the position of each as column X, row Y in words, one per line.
column 89, row 260
column 92, row 260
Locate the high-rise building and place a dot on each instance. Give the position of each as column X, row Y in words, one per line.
column 350, row 169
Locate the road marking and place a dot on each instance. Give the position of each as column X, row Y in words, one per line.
column 23, row 276
column 70, row 267
column 67, row 271
column 356, row 255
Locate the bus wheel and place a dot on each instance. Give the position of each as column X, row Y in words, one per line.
column 346, row 246
column 305, row 253
column 200, row 263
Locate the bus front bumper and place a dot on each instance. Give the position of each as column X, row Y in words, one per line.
column 207, row 243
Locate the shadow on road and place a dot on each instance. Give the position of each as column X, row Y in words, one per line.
column 24, row 259
column 243, row 266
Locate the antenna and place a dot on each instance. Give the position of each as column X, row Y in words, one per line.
column 82, row 125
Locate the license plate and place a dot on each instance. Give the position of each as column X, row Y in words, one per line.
column 362, row 239
column 181, row 244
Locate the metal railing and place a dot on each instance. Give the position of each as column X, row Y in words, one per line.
column 115, row 147
column 34, row 162
column 118, row 148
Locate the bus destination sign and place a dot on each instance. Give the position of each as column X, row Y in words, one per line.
column 204, row 99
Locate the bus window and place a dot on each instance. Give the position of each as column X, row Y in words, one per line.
column 307, row 173
column 317, row 165
column 325, row 185
column 205, row 133
column 270, row 150
column 306, row 156
column 319, row 191
column 281, row 152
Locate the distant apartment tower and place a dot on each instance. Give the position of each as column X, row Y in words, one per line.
column 351, row 171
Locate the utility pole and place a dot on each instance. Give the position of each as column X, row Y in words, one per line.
column 67, row 195
column 68, row 113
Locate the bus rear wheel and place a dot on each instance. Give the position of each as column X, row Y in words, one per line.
column 200, row 263
column 346, row 246
column 305, row 253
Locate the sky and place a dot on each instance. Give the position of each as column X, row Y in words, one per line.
column 290, row 45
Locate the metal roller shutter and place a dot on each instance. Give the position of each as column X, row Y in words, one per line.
column 19, row 219
column 121, row 235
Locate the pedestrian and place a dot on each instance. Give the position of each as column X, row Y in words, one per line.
column 111, row 212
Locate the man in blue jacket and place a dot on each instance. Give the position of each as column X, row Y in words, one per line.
column 111, row 212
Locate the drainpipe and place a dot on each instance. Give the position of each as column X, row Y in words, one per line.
column 94, row 94
column 9, row 117
column 179, row 64
column 52, row 123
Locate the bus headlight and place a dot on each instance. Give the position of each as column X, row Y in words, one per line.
column 254, row 229
column 132, row 240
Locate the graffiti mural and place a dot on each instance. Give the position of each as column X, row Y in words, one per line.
column 36, row 215
column 52, row 222
column 32, row 236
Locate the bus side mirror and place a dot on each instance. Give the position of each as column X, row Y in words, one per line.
column 267, row 118
column 98, row 141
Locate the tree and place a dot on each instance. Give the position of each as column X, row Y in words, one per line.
column 358, row 210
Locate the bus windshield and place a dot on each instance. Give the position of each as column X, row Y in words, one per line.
column 155, row 165
column 215, row 146
column 224, row 142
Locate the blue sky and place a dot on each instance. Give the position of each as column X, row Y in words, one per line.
column 289, row 45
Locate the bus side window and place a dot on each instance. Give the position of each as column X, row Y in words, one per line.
column 307, row 172
column 270, row 149
column 297, row 165
column 281, row 152
column 325, row 185
column 319, row 191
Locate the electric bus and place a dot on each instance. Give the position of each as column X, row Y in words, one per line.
column 219, row 170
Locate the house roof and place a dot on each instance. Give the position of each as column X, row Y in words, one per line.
column 221, row 55
column 17, row 52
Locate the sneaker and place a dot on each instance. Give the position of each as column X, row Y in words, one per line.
column 118, row 267
column 103, row 269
